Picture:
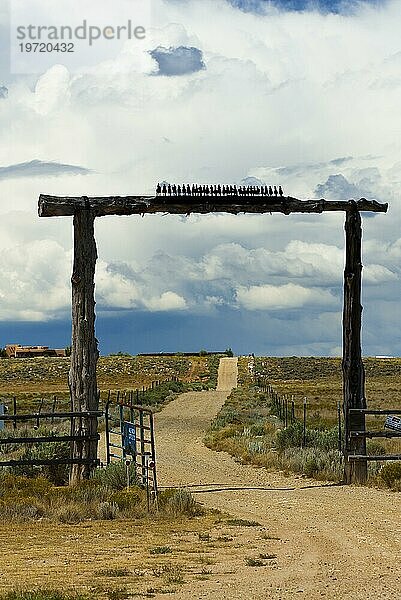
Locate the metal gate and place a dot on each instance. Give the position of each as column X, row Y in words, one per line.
column 130, row 438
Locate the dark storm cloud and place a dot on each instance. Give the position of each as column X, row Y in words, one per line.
column 39, row 168
column 324, row 6
column 182, row 60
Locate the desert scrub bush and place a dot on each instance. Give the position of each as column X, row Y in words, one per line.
column 21, row 511
column 130, row 503
column 86, row 491
column 312, row 462
column 245, row 429
column 292, row 437
column 165, row 392
column 22, row 487
column 57, row 474
column 107, row 511
column 114, row 476
column 390, row 473
column 70, row 513
column 179, row 502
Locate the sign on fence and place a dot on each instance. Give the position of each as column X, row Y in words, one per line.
column 129, row 438
column 393, row 422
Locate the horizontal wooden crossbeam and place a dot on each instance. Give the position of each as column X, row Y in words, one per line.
column 62, row 415
column 376, row 434
column 56, row 206
column 49, row 438
column 50, row 462
column 377, row 411
column 377, row 457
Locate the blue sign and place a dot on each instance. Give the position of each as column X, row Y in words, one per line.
column 129, row 437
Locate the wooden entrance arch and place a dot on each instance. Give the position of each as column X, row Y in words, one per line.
column 203, row 200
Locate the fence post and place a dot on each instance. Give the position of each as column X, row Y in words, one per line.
column 84, row 353
column 286, row 411
column 340, row 436
column 107, row 427
column 15, row 412
column 304, row 424
column 352, row 365
column 54, row 407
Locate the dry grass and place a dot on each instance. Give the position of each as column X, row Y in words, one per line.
column 47, row 375
column 320, row 381
column 103, row 558
column 30, row 379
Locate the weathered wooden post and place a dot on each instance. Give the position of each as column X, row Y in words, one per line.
column 355, row 471
column 84, row 355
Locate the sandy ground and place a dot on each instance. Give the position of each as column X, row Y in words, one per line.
column 333, row 541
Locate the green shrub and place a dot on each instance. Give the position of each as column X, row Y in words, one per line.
column 312, row 462
column 13, row 486
column 57, row 474
column 179, row 502
column 292, row 437
column 227, row 416
column 390, row 473
column 114, row 476
column 86, row 491
column 126, row 499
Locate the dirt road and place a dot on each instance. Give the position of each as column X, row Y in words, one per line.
column 333, row 541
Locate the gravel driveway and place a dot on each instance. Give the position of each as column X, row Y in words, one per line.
column 334, row 541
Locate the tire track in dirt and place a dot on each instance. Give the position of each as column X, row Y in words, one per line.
column 335, row 542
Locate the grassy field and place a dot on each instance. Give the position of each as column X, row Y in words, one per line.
column 249, row 429
column 29, row 379
column 320, row 381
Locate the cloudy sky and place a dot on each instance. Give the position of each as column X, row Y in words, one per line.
column 305, row 94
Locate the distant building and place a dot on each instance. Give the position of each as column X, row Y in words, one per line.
column 17, row 351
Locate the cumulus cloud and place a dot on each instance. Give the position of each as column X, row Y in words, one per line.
column 121, row 287
column 289, row 296
column 339, row 188
column 268, row 108
column 34, row 281
column 167, row 301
